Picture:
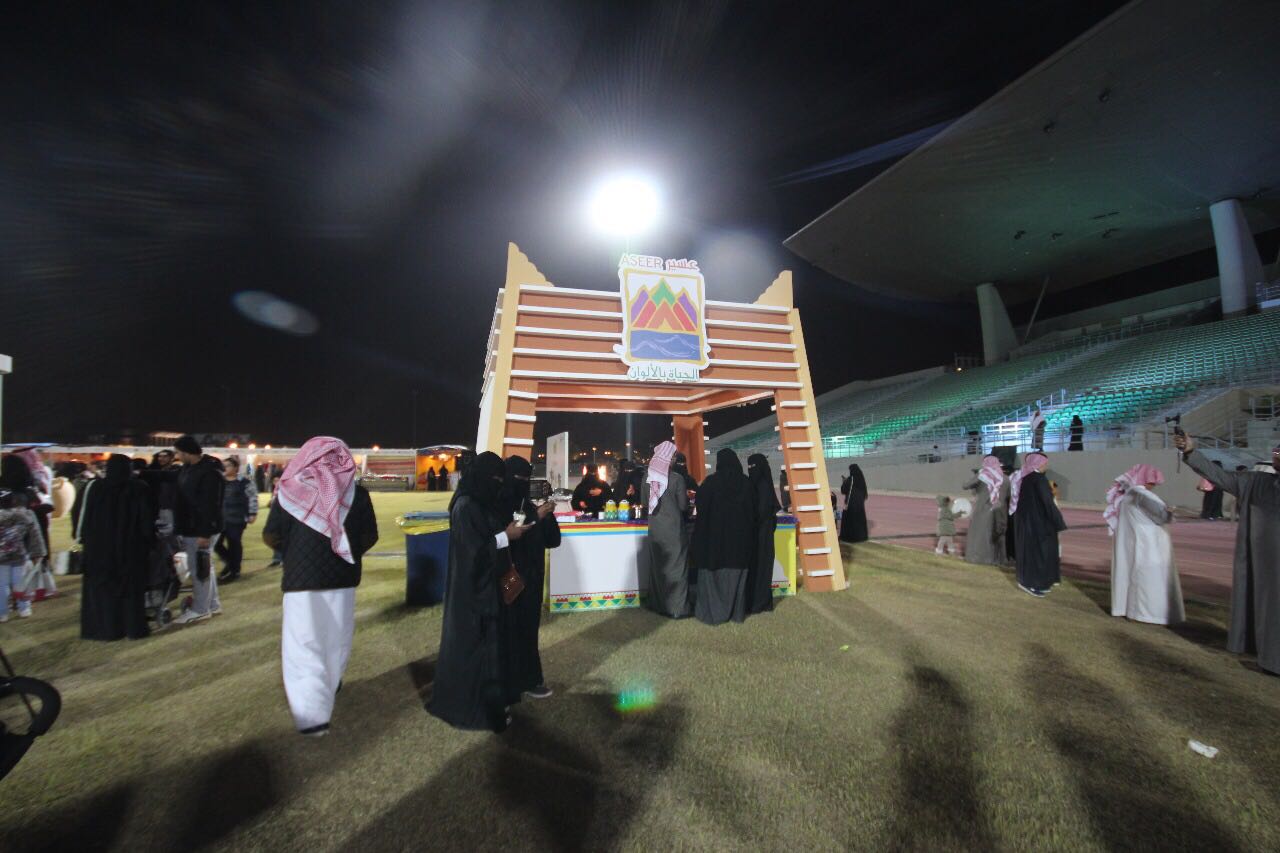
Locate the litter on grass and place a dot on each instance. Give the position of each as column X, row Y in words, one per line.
column 1202, row 748
column 845, row 647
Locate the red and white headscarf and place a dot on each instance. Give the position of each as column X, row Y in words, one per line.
column 992, row 473
column 1030, row 464
column 317, row 488
column 1139, row 475
column 39, row 473
column 659, row 469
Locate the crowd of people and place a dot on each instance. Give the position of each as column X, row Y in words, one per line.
column 710, row 546
column 715, row 564
column 129, row 518
column 1015, row 518
column 710, row 552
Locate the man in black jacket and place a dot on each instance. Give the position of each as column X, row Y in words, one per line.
column 322, row 521
column 197, row 520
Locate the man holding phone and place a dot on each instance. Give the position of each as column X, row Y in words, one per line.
column 1255, row 582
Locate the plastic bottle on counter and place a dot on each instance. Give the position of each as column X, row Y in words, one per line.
column 624, row 510
column 610, row 511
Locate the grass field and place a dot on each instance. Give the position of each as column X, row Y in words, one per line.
column 930, row 707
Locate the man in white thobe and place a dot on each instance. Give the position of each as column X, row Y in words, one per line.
column 1144, row 580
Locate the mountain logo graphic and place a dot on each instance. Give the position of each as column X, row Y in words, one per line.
column 658, row 309
column 662, row 321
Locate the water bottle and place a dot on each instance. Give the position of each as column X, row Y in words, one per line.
column 610, row 511
column 624, row 511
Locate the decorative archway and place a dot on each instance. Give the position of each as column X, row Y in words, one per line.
column 556, row 349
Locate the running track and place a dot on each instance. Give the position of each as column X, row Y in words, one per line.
column 1202, row 549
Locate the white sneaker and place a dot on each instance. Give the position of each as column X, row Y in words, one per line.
column 4, row 617
column 189, row 617
column 217, row 611
column 24, row 614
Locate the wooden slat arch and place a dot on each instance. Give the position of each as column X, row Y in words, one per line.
column 551, row 350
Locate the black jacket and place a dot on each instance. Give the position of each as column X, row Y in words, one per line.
column 309, row 561
column 198, row 511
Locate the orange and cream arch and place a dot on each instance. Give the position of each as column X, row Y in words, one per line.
column 658, row 346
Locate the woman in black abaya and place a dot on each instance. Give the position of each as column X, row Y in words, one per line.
column 724, row 542
column 1038, row 522
column 853, row 524
column 117, row 526
column 760, row 573
column 591, row 494
column 529, row 555
column 470, row 689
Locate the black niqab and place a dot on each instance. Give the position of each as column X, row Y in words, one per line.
column 724, row 533
column 471, row 670
column 117, row 528
column 853, row 524
column 594, row 503
column 483, row 482
column 516, row 486
column 760, row 572
column 529, row 556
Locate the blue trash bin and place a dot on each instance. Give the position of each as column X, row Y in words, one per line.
column 426, row 557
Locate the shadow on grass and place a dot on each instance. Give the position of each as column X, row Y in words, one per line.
column 1202, row 633
column 1099, row 594
column 1113, row 772
column 1202, row 702
column 196, row 806
column 574, row 781
column 233, row 789
column 90, row 825
column 937, row 805
column 398, row 612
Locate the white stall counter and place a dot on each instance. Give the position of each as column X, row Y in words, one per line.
column 599, row 564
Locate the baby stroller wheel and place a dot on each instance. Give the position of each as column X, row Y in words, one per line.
column 163, row 617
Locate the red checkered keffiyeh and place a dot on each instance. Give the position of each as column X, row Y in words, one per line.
column 659, row 470
column 1139, row 475
column 1030, row 463
column 317, row 488
column 992, row 474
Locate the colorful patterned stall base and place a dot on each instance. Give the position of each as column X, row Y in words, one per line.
column 595, row 601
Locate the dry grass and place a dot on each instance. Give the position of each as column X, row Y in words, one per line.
column 963, row 715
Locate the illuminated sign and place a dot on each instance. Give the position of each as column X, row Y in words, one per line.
column 664, row 336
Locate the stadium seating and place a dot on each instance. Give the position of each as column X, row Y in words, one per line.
column 1113, row 384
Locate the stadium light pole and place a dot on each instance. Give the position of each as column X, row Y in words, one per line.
column 625, row 206
column 6, row 367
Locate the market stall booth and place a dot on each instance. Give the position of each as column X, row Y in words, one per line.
column 603, row 565
column 656, row 345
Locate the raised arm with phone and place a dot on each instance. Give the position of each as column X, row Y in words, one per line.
column 1255, row 581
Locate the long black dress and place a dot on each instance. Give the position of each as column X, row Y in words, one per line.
column 1038, row 522
column 853, row 525
column 680, row 472
column 471, row 671
column 529, row 554
column 760, row 572
column 1077, row 434
column 724, row 542
column 117, row 530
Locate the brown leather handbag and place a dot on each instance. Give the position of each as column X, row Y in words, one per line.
column 512, row 585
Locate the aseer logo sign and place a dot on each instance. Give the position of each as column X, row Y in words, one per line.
column 663, row 328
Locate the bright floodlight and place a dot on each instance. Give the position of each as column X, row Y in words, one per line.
column 624, row 206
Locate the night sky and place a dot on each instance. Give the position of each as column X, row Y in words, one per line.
column 368, row 163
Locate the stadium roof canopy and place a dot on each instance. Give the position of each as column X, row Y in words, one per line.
column 1103, row 159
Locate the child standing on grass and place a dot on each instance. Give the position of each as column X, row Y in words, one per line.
column 946, row 526
column 20, row 541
